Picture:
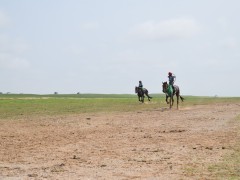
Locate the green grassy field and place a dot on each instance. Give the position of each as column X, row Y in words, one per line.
column 13, row 106
column 17, row 105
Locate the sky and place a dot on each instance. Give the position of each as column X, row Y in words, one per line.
column 107, row 46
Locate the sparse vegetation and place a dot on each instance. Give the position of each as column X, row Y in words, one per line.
column 230, row 167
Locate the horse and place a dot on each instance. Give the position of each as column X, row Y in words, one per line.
column 141, row 92
column 171, row 92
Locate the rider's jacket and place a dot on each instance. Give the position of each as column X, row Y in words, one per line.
column 171, row 79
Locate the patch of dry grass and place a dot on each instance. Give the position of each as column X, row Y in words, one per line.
column 229, row 168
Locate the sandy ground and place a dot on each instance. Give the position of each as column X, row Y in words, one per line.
column 157, row 144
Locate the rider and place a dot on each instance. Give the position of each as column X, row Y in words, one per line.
column 171, row 79
column 140, row 85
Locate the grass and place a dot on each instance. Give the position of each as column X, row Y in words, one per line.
column 14, row 106
column 17, row 105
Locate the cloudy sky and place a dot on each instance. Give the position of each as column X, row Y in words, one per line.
column 107, row 46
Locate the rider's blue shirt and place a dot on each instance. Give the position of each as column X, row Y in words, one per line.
column 171, row 79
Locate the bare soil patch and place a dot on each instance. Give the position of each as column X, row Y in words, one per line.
column 157, row 144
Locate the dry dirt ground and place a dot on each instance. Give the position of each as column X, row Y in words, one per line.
column 156, row 144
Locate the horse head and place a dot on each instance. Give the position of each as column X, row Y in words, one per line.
column 136, row 89
column 164, row 86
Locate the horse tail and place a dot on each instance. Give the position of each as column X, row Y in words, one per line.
column 177, row 91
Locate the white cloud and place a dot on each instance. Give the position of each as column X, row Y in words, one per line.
column 168, row 29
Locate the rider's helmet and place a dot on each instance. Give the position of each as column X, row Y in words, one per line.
column 170, row 74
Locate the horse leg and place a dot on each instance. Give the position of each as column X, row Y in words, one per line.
column 140, row 98
column 167, row 99
column 181, row 98
column 178, row 95
column 177, row 100
column 170, row 104
column 149, row 97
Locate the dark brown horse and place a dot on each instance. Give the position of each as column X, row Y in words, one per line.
column 171, row 92
column 140, row 92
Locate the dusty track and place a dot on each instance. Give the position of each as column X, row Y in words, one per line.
column 157, row 144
